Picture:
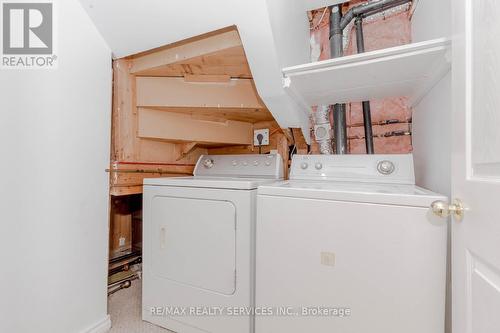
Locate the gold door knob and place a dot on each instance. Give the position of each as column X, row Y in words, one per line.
column 443, row 209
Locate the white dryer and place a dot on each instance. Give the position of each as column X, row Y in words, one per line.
column 349, row 245
column 198, row 244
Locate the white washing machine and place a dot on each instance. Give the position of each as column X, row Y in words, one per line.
column 349, row 245
column 198, row 244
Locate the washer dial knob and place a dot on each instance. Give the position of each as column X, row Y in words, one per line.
column 304, row 165
column 318, row 166
column 386, row 167
column 208, row 163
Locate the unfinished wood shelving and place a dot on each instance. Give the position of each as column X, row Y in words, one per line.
column 174, row 103
column 410, row 70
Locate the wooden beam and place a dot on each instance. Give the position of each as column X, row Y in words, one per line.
column 222, row 114
column 185, row 148
column 300, row 141
column 124, row 145
column 175, row 92
column 127, row 178
column 282, row 147
column 207, row 78
column 231, row 62
column 159, row 125
column 183, row 52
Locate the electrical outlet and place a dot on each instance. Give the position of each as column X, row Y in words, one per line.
column 121, row 241
column 265, row 137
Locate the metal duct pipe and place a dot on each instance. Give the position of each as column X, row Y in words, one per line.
column 323, row 129
column 337, row 50
column 368, row 9
column 367, row 113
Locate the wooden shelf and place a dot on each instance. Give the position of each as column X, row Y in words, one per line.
column 126, row 177
column 409, row 70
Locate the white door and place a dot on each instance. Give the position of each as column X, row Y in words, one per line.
column 476, row 166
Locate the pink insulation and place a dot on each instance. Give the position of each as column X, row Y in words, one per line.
column 382, row 31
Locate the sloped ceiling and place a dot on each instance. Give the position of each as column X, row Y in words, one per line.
column 274, row 33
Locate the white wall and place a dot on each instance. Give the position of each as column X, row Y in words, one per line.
column 431, row 19
column 54, row 146
column 432, row 116
column 432, row 139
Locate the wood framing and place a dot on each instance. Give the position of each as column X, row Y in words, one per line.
column 176, row 92
column 222, row 114
column 126, row 177
column 127, row 146
column 231, row 62
column 185, row 52
column 159, row 125
column 172, row 104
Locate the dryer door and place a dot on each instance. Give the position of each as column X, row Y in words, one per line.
column 194, row 242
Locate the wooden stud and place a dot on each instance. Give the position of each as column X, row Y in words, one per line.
column 185, row 148
column 282, row 147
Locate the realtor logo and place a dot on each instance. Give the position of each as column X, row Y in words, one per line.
column 28, row 35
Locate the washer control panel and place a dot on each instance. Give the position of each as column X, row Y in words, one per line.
column 249, row 166
column 397, row 169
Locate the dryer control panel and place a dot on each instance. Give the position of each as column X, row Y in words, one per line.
column 396, row 169
column 243, row 166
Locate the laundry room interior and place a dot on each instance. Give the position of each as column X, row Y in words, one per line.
column 257, row 166
column 197, row 96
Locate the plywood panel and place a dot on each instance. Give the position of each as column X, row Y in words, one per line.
column 231, row 62
column 180, row 53
column 176, row 92
column 222, row 114
column 159, row 125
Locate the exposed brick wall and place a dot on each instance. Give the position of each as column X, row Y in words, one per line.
column 390, row 30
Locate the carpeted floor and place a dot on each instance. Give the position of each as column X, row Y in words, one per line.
column 124, row 307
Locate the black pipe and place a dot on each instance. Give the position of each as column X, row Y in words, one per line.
column 360, row 38
column 340, row 128
column 367, row 113
column 336, row 32
column 368, row 9
column 339, row 110
column 338, row 22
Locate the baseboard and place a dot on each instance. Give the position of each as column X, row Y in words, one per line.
column 101, row 327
